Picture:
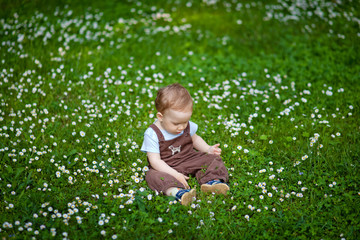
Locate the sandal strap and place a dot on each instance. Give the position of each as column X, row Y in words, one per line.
column 213, row 182
column 180, row 193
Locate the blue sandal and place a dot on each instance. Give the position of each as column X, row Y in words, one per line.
column 215, row 186
column 186, row 196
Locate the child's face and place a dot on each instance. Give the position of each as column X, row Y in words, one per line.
column 173, row 121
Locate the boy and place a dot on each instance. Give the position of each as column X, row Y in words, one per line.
column 169, row 144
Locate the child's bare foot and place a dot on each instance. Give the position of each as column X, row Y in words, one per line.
column 186, row 196
column 215, row 186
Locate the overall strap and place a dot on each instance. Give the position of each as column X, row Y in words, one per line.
column 158, row 132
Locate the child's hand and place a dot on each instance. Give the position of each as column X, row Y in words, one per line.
column 182, row 178
column 215, row 149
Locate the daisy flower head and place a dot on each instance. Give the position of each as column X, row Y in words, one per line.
column 149, row 197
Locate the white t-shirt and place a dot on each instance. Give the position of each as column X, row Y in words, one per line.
column 151, row 141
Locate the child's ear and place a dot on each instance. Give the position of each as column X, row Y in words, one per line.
column 159, row 116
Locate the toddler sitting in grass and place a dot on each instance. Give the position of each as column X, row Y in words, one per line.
column 170, row 144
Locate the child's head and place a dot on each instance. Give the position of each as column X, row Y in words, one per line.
column 174, row 105
column 174, row 97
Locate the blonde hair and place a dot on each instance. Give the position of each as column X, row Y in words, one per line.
column 174, row 97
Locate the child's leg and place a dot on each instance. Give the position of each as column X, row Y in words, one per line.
column 213, row 175
column 161, row 182
column 209, row 167
column 167, row 184
column 172, row 191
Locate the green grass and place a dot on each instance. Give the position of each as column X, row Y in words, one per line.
column 280, row 96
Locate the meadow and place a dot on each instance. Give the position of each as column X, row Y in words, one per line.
column 276, row 83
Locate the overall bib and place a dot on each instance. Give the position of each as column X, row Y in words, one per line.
column 179, row 154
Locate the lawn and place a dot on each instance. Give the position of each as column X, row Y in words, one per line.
column 276, row 83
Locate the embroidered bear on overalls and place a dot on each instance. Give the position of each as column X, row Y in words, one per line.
column 175, row 149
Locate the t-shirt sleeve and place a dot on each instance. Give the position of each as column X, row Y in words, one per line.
column 193, row 128
column 151, row 142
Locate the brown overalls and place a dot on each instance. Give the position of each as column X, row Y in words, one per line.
column 179, row 154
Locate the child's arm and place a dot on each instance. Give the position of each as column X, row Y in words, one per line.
column 202, row 146
column 159, row 165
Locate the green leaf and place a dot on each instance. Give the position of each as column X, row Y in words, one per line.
column 263, row 137
column 19, row 171
column 28, row 180
column 140, row 203
column 306, row 134
column 72, row 152
column 10, row 170
column 289, row 139
column 253, row 153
